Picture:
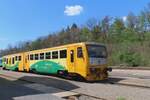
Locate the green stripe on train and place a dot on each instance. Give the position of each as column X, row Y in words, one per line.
column 47, row 67
column 14, row 67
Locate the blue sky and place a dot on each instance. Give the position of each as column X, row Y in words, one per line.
column 22, row 20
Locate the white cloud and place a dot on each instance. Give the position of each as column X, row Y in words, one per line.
column 73, row 10
column 124, row 18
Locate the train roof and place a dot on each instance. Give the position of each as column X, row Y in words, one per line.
column 66, row 45
column 57, row 47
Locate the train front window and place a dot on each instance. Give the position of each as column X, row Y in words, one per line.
column 79, row 52
column 96, row 51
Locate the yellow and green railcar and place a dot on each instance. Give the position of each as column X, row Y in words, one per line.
column 89, row 60
column 13, row 62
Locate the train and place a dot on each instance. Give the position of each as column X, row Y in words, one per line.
column 85, row 59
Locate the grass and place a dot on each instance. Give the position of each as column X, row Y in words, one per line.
column 121, row 98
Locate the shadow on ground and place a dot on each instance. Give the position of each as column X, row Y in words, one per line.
column 110, row 80
column 10, row 89
column 53, row 82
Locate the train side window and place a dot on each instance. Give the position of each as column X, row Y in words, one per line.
column 19, row 58
column 55, row 55
column 41, row 56
column 48, row 55
column 72, row 55
column 79, row 52
column 31, row 57
column 7, row 61
column 16, row 58
column 36, row 56
column 13, row 60
column 28, row 57
column 63, row 53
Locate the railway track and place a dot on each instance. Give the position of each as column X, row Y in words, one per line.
column 131, row 85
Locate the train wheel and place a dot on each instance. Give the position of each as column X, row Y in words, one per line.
column 16, row 69
column 63, row 74
column 4, row 68
column 79, row 78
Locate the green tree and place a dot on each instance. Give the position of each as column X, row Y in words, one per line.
column 117, row 26
column 85, row 35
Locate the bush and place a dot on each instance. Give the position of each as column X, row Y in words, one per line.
column 130, row 58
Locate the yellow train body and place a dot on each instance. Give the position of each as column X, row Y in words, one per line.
column 72, row 59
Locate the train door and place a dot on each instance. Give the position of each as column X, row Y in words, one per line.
column 26, row 62
column 21, row 63
column 71, row 59
column 80, row 60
